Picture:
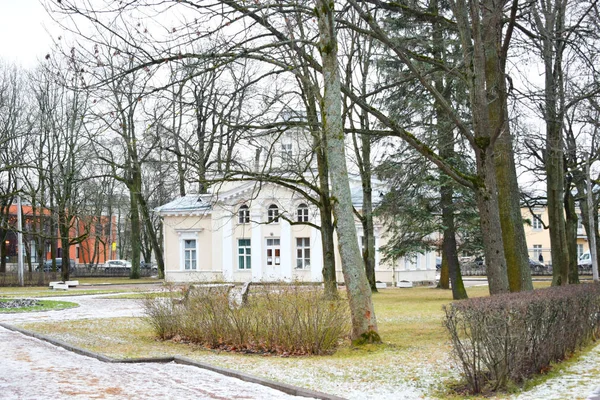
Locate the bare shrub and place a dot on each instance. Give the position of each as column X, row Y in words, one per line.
column 283, row 319
column 164, row 314
column 508, row 338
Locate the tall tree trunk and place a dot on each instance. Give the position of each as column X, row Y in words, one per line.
column 549, row 22
column 571, row 230
column 368, row 254
column 445, row 137
column 152, row 234
column 444, row 282
column 327, row 231
column 449, row 244
column 479, row 25
column 513, row 231
column 556, row 216
column 135, row 226
column 325, row 211
column 364, row 323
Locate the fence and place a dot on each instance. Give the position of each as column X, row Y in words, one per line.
column 472, row 269
column 37, row 278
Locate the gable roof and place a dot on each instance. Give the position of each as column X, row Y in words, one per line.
column 195, row 204
column 188, row 204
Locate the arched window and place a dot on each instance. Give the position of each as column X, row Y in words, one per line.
column 302, row 213
column 244, row 214
column 273, row 213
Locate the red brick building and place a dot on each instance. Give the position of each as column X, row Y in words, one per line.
column 95, row 246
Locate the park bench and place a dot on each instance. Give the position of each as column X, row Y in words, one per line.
column 60, row 285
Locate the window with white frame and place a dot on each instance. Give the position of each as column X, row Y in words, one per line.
column 579, row 222
column 273, row 251
column 244, row 214
column 302, row 253
column 189, row 254
column 244, row 254
column 273, row 213
column 410, row 261
column 537, row 222
column 302, row 213
column 286, row 151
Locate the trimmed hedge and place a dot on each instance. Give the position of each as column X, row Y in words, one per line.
column 509, row 338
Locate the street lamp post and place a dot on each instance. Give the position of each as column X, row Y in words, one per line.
column 20, row 272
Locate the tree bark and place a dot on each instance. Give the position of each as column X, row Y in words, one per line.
column 134, row 218
column 445, row 133
column 156, row 245
column 449, row 244
column 571, row 230
column 513, row 231
column 549, row 22
column 364, row 323
column 479, row 26
column 444, row 282
column 325, row 211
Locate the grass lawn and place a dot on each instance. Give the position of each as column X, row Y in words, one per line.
column 43, row 305
column 415, row 354
column 100, row 286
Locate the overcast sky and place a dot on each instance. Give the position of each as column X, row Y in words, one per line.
column 23, row 32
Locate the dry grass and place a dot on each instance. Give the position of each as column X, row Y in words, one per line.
column 415, row 354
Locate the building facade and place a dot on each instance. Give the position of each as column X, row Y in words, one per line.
column 261, row 232
column 538, row 236
column 97, row 235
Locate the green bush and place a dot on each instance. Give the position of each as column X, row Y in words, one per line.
column 508, row 338
column 283, row 319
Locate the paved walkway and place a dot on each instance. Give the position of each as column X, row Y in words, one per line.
column 34, row 369
column 90, row 307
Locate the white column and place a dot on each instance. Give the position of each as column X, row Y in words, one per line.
column 227, row 246
column 316, row 256
column 287, row 256
column 256, row 251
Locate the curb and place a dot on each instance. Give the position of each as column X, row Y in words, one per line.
column 282, row 387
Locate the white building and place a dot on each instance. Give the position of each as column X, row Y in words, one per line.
column 249, row 232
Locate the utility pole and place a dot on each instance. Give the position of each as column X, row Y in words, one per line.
column 20, row 272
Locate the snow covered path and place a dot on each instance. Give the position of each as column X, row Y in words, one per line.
column 90, row 306
column 34, row 369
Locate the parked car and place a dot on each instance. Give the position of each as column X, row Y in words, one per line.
column 152, row 267
column 536, row 266
column 115, row 265
column 47, row 266
column 585, row 261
